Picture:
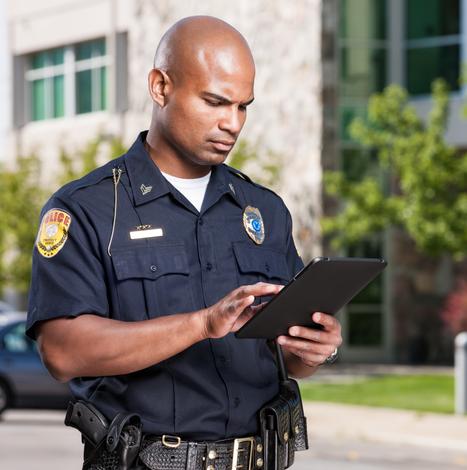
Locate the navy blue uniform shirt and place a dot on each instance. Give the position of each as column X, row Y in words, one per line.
column 213, row 389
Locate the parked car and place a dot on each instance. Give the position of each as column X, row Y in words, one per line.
column 24, row 381
column 4, row 307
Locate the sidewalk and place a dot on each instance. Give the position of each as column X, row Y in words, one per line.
column 433, row 430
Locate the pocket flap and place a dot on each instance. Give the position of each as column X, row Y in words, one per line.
column 149, row 262
column 255, row 259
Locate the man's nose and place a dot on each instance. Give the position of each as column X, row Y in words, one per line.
column 232, row 121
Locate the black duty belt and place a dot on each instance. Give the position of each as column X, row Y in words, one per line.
column 172, row 453
column 121, row 444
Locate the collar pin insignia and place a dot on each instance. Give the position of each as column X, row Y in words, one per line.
column 231, row 186
column 145, row 189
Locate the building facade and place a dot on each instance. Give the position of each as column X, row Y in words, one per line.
column 79, row 69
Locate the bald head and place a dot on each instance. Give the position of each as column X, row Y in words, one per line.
column 201, row 85
column 198, row 43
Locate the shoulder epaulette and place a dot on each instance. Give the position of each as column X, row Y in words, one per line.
column 247, row 178
column 238, row 173
column 92, row 178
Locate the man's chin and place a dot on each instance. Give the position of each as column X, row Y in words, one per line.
column 212, row 158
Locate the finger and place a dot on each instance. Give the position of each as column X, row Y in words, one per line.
column 259, row 289
column 258, row 308
column 311, row 334
column 317, row 336
column 244, row 317
column 328, row 321
column 309, row 358
column 307, row 346
column 243, row 303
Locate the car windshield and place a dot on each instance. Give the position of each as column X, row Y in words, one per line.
column 16, row 341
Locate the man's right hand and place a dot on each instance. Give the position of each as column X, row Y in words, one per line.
column 235, row 309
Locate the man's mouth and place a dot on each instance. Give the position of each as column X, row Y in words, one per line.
column 222, row 145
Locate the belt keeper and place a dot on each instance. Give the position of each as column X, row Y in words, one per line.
column 211, row 456
column 167, row 443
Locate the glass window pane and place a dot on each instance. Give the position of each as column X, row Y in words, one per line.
column 59, row 96
column 88, row 49
column 57, row 56
column 38, row 60
column 364, row 329
column 103, row 88
column 431, row 18
column 38, row 100
column 16, row 341
column 363, row 19
column 84, row 50
column 99, row 47
column 362, row 70
column 369, row 248
column 83, row 92
column 426, row 64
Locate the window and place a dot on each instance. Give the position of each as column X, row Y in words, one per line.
column 363, row 65
column 91, row 74
column 433, row 44
column 46, row 78
column 68, row 80
column 16, row 341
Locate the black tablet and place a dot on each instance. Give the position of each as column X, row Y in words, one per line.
column 324, row 285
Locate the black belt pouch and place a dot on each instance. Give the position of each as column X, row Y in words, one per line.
column 283, row 423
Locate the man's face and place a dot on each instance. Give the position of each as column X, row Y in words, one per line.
column 207, row 107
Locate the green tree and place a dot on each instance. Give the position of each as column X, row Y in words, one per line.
column 22, row 196
column 422, row 183
column 21, row 199
column 265, row 171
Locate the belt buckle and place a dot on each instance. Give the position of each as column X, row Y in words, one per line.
column 237, row 449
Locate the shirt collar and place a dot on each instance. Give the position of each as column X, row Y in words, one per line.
column 148, row 183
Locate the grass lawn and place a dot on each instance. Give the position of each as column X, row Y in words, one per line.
column 434, row 393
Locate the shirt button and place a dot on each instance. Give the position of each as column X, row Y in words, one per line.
column 236, row 401
column 267, row 267
column 153, row 268
column 208, row 266
column 223, row 359
column 200, row 221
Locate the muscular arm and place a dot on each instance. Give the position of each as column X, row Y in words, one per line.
column 89, row 345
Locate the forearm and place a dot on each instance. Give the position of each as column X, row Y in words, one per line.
column 90, row 346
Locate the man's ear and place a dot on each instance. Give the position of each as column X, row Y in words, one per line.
column 159, row 84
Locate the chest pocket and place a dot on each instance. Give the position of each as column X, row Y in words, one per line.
column 159, row 273
column 256, row 264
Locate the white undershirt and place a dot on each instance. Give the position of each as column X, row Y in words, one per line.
column 193, row 189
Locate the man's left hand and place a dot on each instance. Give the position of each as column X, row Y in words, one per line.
column 313, row 346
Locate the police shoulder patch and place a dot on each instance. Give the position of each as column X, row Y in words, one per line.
column 53, row 232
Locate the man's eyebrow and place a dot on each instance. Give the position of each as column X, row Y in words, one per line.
column 223, row 99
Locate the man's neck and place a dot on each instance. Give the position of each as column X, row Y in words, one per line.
column 168, row 161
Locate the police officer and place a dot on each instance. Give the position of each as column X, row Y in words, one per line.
column 144, row 268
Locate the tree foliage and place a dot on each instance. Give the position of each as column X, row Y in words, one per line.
column 423, row 180
column 264, row 169
column 22, row 196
